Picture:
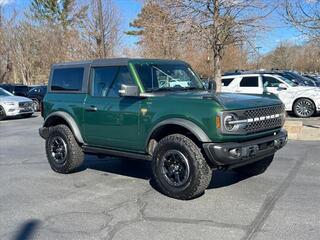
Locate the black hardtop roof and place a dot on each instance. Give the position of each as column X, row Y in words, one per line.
column 112, row 62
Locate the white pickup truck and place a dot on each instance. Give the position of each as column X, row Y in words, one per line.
column 304, row 101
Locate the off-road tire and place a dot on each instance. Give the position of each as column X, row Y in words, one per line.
column 200, row 172
column 255, row 168
column 308, row 103
column 2, row 113
column 74, row 156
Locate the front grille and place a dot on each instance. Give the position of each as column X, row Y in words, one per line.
column 25, row 104
column 261, row 119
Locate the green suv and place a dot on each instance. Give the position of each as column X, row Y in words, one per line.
column 157, row 110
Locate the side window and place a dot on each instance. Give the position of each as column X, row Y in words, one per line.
column 123, row 77
column 102, row 78
column 67, row 79
column 270, row 82
column 226, row 81
column 249, row 82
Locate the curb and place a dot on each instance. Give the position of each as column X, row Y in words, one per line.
column 298, row 131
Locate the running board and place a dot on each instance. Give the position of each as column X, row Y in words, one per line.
column 115, row 153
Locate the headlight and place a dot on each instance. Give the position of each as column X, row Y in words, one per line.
column 230, row 122
column 9, row 103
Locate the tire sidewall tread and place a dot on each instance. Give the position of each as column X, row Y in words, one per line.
column 200, row 172
column 75, row 155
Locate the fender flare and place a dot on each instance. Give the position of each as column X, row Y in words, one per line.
column 71, row 122
column 192, row 127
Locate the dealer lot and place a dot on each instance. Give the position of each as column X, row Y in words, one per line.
column 114, row 198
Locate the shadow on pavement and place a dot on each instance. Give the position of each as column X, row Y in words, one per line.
column 27, row 230
column 225, row 178
column 142, row 169
column 15, row 118
column 121, row 166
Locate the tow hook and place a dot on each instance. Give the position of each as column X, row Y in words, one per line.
column 252, row 150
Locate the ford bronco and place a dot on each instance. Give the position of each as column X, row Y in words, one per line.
column 157, row 110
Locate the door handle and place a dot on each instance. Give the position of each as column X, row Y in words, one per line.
column 92, row 109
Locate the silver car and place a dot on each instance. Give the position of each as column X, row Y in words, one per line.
column 11, row 105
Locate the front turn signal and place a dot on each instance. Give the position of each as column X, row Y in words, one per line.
column 218, row 122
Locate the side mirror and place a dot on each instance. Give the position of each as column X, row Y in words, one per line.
column 282, row 86
column 129, row 91
column 212, row 86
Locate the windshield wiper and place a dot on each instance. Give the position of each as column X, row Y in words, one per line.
column 192, row 88
column 161, row 89
column 174, row 89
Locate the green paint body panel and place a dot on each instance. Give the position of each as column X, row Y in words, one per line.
column 119, row 123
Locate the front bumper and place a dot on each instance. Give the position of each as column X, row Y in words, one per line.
column 17, row 112
column 234, row 154
column 44, row 132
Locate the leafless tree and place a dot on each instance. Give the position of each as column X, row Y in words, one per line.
column 219, row 23
column 101, row 28
column 304, row 16
column 158, row 31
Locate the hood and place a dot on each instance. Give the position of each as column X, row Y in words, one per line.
column 229, row 101
column 304, row 89
column 232, row 101
column 14, row 99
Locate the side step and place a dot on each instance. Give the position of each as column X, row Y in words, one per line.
column 115, row 153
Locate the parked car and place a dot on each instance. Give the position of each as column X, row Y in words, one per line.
column 142, row 108
column 313, row 78
column 304, row 101
column 16, row 89
column 298, row 79
column 37, row 94
column 11, row 105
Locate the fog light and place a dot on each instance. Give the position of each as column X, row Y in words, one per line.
column 277, row 143
column 235, row 152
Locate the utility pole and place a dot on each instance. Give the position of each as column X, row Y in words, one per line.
column 258, row 57
column 0, row 16
column 102, row 30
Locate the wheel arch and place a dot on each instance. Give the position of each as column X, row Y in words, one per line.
column 64, row 118
column 175, row 125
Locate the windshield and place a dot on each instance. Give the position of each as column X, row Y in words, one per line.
column 287, row 81
column 301, row 80
column 168, row 76
column 4, row 93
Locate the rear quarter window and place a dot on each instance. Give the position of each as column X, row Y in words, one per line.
column 226, row 81
column 249, row 82
column 67, row 79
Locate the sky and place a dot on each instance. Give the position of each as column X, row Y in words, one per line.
column 130, row 8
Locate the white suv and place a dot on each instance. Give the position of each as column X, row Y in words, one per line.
column 11, row 105
column 302, row 100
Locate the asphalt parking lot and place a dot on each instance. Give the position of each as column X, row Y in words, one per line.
column 313, row 121
column 113, row 198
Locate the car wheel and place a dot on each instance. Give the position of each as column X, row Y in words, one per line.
column 255, row 168
column 2, row 113
column 179, row 168
column 35, row 105
column 63, row 151
column 304, row 108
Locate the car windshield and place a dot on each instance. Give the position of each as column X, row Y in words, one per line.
column 168, row 77
column 302, row 80
column 287, row 81
column 4, row 93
